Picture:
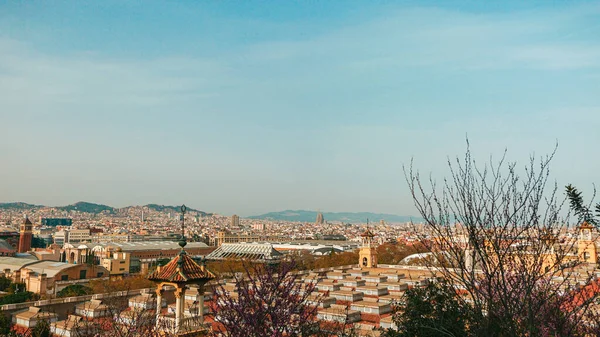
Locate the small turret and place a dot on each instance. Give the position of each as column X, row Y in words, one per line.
column 368, row 252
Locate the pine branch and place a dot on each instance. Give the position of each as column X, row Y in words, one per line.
column 582, row 211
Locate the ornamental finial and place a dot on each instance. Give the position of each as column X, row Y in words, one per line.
column 182, row 241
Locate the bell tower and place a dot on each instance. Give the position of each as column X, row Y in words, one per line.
column 586, row 246
column 367, row 257
column 26, row 235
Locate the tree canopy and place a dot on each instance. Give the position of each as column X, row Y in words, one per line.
column 74, row 290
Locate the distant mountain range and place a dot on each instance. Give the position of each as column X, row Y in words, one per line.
column 92, row 208
column 311, row 216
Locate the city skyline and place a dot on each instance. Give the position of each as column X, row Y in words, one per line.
column 247, row 109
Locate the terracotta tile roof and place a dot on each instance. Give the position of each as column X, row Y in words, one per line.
column 582, row 295
column 181, row 269
column 367, row 234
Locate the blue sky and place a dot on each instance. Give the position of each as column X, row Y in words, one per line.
column 255, row 106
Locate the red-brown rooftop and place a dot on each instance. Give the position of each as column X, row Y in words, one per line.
column 182, row 269
column 367, row 234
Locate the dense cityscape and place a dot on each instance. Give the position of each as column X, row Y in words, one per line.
column 328, row 168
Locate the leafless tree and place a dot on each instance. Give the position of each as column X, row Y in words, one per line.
column 271, row 301
column 497, row 234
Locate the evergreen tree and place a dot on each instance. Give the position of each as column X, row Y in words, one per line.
column 5, row 324
column 41, row 329
column 432, row 311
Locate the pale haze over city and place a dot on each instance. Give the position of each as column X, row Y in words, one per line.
column 246, row 108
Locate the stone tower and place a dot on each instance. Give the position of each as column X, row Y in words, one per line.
column 367, row 257
column 586, row 246
column 26, row 235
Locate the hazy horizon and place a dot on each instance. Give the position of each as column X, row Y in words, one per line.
column 247, row 109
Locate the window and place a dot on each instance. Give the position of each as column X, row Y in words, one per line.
column 82, row 274
column 121, row 269
column 100, row 274
column 64, row 277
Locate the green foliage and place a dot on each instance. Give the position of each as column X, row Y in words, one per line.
column 41, row 329
column 15, row 287
column 38, row 242
column 74, row 290
column 20, row 297
column 18, row 206
column 432, row 311
column 582, row 211
column 90, row 259
column 5, row 324
column 5, row 282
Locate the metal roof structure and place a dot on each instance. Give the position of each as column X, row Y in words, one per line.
column 250, row 251
column 50, row 268
column 137, row 246
column 14, row 263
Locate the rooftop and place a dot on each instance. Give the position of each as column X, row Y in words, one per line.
column 182, row 269
column 253, row 251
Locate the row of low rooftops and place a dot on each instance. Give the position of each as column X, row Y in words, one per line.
column 361, row 297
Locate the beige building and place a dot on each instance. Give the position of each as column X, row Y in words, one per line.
column 79, row 235
column 42, row 277
column 92, row 309
column 235, row 221
column 223, row 237
column 29, row 318
column 117, row 262
column 586, row 245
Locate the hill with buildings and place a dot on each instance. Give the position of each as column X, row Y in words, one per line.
column 173, row 209
column 87, row 207
column 93, row 208
column 349, row 217
column 18, row 205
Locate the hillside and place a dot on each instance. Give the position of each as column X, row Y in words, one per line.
column 18, row 205
column 349, row 217
column 173, row 209
column 87, row 207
